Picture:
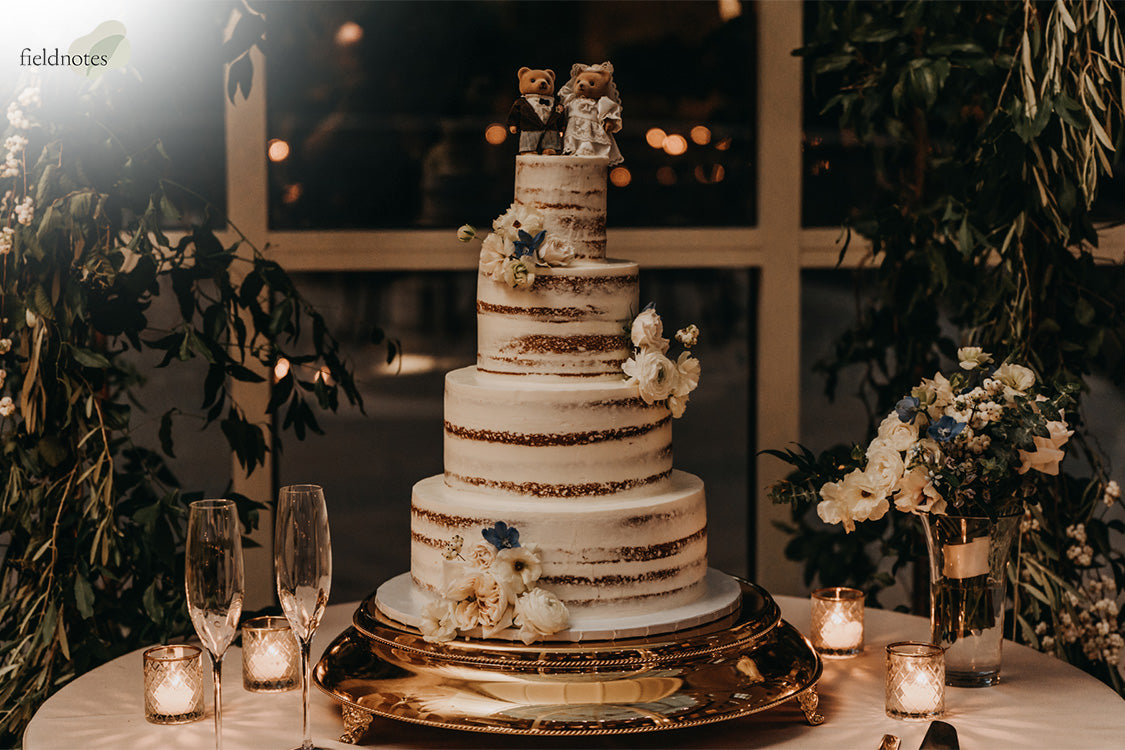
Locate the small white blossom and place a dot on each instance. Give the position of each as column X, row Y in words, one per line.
column 5, row 345
column 25, row 210
column 30, row 98
column 1112, row 493
column 519, row 273
column 466, row 233
column 7, row 236
column 688, row 336
column 16, row 118
column 7, row 406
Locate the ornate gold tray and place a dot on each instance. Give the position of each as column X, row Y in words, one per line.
column 744, row 663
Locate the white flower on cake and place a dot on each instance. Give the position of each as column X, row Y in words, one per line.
column 539, row 613
column 658, row 378
column 466, row 232
column 554, row 252
column 518, row 218
column 648, row 331
column 519, row 273
column 518, row 568
column 497, row 574
column 494, row 252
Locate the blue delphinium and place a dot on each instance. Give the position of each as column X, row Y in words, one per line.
column 528, row 245
column 907, row 409
column 501, row 536
column 945, row 429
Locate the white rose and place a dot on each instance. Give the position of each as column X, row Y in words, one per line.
column 884, row 466
column 554, row 252
column 463, row 587
column 972, row 357
column 653, row 373
column 517, row 568
column 916, row 493
column 648, row 331
column 437, row 624
column 493, row 605
column 466, row 614
column 519, row 273
column 1016, row 379
column 494, row 252
column 540, row 613
column 896, row 433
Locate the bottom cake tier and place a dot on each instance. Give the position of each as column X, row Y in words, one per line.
column 628, row 555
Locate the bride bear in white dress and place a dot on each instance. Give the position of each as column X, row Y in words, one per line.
column 593, row 112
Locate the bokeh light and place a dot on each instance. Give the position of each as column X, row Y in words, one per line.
column 495, row 134
column 675, row 145
column 620, row 176
column 278, row 150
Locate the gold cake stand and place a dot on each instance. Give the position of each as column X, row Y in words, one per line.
column 746, row 662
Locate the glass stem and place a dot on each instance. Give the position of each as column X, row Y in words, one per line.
column 218, row 670
column 306, row 674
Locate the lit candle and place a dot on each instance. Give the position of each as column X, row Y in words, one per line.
column 915, row 681
column 270, row 657
column 173, row 684
column 837, row 621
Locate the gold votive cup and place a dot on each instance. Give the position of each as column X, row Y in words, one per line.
column 271, row 658
column 837, row 622
column 173, row 684
column 915, row 680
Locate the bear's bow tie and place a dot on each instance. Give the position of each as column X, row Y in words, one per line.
column 545, row 102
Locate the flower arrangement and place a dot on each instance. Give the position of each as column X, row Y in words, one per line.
column 517, row 246
column 657, row 377
column 495, row 589
column 964, row 445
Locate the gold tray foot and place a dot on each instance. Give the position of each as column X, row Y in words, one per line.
column 809, row 700
column 356, row 724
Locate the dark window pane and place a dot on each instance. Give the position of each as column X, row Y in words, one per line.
column 369, row 463
column 384, row 108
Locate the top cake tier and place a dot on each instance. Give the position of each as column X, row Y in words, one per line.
column 570, row 193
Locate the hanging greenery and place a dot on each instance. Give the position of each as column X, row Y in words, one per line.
column 91, row 521
column 991, row 126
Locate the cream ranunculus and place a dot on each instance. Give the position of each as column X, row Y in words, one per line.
column 1048, row 450
column 437, row 624
column 853, row 498
column 519, row 273
column 939, row 394
column 540, row 613
column 554, row 252
column 481, row 555
column 896, row 433
column 648, row 331
column 972, row 357
column 653, row 373
column 917, row 494
column 1016, row 379
column 494, row 610
column 517, row 569
column 494, row 252
column 466, row 614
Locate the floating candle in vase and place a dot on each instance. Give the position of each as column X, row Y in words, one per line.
column 173, row 684
column 915, row 680
column 837, row 621
column 270, row 657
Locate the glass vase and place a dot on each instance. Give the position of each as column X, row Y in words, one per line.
column 968, row 574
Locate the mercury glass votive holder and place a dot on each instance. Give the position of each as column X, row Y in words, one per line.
column 837, row 622
column 915, row 680
column 271, row 659
column 173, row 684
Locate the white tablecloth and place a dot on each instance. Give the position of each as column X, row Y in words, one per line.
column 1041, row 703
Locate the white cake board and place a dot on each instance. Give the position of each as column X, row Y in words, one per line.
column 401, row 600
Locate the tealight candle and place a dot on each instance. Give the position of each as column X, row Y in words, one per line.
column 270, row 656
column 837, row 621
column 173, row 684
column 915, row 680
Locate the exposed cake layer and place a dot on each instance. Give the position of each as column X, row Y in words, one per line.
column 571, row 324
column 635, row 554
column 564, row 440
column 570, row 193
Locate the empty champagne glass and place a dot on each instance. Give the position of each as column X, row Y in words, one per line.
column 303, row 559
column 214, row 580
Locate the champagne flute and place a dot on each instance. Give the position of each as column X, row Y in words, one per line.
column 303, row 559
column 214, row 580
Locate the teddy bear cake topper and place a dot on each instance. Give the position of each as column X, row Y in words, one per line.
column 581, row 120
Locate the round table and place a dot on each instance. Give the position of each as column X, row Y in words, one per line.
column 1041, row 703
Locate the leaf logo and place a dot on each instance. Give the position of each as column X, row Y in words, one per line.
column 105, row 48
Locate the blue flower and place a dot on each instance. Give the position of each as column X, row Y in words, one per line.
column 527, row 245
column 907, row 409
column 501, row 536
column 945, row 429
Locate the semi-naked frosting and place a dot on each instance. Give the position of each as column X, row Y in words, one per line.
column 634, row 552
column 546, row 435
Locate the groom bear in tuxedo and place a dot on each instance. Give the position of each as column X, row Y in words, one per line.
column 535, row 116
